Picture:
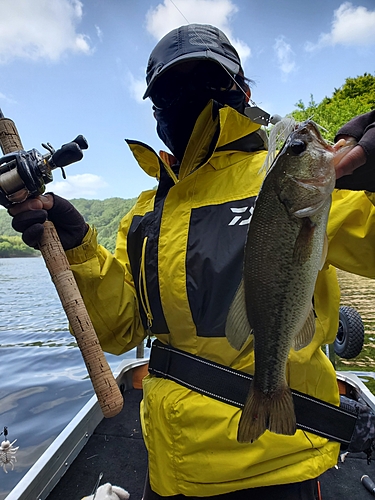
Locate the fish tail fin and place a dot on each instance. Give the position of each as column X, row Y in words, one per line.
column 254, row 417
column 274, row 412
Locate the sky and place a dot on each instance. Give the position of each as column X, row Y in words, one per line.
column 70, row 67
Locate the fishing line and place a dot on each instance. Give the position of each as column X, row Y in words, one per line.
column 254, row 112
column 209, row 50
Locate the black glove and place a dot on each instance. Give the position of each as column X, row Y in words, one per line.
column 69, row 223
column 362, row 128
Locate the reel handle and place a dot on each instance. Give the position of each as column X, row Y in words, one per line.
column 109, row 396
column 69, row 153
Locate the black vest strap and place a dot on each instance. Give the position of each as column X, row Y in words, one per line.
column 232, row 387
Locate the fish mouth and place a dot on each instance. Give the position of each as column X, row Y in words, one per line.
column 312, row 127
column 338, row 150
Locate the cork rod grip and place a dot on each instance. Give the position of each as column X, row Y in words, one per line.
column 105, row 386
column 103, row 381
column 10, row 140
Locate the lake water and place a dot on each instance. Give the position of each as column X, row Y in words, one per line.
column 359, row 292
column 43, row 379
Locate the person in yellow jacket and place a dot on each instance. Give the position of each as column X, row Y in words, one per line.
column 178, row 263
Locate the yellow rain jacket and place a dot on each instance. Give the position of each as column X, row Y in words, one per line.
column 175, row 271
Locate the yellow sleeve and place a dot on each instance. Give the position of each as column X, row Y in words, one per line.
column 351, row 232
column 108, row 291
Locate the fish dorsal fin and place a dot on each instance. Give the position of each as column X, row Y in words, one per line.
column 237, row 327
column 304, row 337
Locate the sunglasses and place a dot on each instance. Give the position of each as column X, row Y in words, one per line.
column 172, row 86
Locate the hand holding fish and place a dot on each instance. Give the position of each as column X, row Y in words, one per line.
column 354, row 159
column 355, row 171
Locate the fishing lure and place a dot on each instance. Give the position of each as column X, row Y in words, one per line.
column 276, row 139
column 7, row 452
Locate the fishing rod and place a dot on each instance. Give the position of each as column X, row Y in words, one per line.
column 23, row 174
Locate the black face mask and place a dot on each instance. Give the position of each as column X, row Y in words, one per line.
column 175, row 123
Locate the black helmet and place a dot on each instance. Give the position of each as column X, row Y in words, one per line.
column 187, row 43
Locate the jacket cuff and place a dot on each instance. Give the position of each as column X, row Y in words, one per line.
column 362, row 128
column 86, row 250
column 357, row 126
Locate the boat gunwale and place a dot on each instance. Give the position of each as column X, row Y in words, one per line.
column 50, row 467
column 47, row 471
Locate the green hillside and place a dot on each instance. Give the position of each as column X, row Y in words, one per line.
column 105, row 215
column 356, row 96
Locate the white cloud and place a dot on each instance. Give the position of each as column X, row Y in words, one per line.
column 78, row 186
column 167, row 16
column 99, row 33
column 285, row 56
column 244, row 51
column 351, row 25
column 137, row 87
column 7, row 99
column 40, row 29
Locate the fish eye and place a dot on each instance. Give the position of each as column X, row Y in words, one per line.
column 297, row 146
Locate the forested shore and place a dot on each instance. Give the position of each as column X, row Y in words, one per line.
column 105, row 215
column 355, row 97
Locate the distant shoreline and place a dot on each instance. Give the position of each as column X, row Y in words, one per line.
column 19, row 256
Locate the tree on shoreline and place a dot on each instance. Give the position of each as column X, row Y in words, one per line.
column 13, row 246
column 105, row 215
column 355, row 97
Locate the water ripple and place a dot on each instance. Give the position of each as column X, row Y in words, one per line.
column 44, row 381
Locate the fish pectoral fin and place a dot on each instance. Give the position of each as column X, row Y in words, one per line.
column 237, row 327
column 305, row 336
column 274, row 412
column 303, row 245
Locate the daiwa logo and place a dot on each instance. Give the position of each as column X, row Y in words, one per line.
column 244, row 218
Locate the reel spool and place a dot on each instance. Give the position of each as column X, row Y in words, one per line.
column 25, row 173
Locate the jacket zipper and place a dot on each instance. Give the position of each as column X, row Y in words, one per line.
column 142, row 285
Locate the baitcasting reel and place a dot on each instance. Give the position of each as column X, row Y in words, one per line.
column 25, row 173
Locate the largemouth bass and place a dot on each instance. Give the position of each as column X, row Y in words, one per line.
column 285, row 249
